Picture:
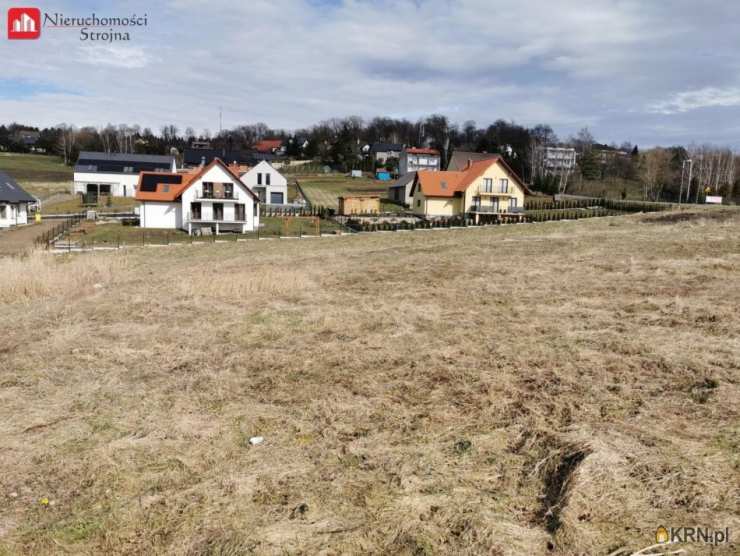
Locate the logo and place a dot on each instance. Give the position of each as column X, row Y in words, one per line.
column 703, row 535
column 24, row 23
column 661, row 535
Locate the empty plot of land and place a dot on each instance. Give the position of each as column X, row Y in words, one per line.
column 555, row 388
column 323, row 190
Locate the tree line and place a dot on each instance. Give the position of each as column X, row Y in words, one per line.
column 337, row 142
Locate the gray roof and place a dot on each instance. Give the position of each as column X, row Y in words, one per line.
column 404, row 180
column 460, row 159
column 385, row 147
column 11, row 192
column 122, row 163
column 126, row 157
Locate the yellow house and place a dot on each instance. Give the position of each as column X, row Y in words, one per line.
column 481, row 189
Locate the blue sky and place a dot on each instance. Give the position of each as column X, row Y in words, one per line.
column 646, row 72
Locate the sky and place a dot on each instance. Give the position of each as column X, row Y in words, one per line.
column 649, row 72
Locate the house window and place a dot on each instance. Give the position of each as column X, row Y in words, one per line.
column 476, row 202
column 512, row 203
column 228, row 191
column 3, row 212
column 259, row 178
column 504, row 185
column 418, row 203
column 239, row 212
column 195, row 211
column 267, row 179
column 207, row 190
column 488, row 185
column 218, row 211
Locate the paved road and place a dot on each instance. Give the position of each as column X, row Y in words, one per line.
column 15, row 241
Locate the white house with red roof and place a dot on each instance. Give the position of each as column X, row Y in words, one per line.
column 413, row 159
column 210, row 197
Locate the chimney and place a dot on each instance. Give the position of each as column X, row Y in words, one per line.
column 469, row 164
column 202, row 160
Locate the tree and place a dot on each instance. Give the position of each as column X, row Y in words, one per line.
column 655, row 172
column 67, row 144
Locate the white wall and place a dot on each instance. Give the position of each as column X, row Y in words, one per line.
column 15, row 214
column 116, row 181
column 160, row 215
column 278, row 183
column 217, row 174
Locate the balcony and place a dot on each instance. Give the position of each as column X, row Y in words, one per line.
column 496, row 191
column 191, row 218
column 495, row 210
column 216, row 196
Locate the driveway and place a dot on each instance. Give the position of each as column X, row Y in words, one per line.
column 16, row 241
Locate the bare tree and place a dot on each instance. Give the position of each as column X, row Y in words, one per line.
column 67, row 141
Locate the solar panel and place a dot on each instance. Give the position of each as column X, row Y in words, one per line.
column 149, row 181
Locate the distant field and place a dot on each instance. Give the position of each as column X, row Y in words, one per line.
column 40, row 175
column 324, row 189
column 560, row 388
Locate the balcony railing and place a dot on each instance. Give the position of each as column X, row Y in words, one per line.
column 495, row 191
column 217, row 196
column 496, row 210
column 198, row 219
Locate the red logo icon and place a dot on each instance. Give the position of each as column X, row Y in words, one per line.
column 24, row 23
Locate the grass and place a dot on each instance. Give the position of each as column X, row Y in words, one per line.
column 67, row 206
column 324, row 189
column 570, row 385
column 113, row 233
column 41, row 175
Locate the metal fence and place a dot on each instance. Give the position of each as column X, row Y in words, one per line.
column 45, row 239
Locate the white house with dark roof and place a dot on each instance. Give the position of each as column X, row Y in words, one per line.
column 211, row 197
column 116, row 174
column 14, row 202
column 269, row 184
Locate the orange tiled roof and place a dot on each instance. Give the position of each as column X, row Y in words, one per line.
column 419, row 150
column 165, row 192
column 448, row 183
column 267, row 145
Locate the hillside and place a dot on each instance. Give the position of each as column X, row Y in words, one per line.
column 555, row 388
column 40, row 175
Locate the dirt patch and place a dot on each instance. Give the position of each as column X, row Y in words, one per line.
column 558, row 478
column 713, row 215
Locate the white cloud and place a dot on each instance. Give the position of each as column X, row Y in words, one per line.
column 700, row 98
column 291, row 63
column 129, row 57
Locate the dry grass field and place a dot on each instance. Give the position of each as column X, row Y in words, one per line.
column 556, row 388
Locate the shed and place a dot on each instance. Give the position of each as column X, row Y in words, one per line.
column 359, row 204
